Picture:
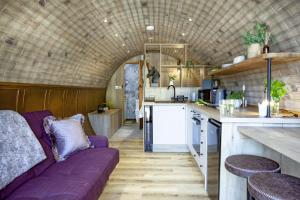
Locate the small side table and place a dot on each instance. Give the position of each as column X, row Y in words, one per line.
column 106, row 123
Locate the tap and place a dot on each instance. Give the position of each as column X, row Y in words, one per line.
column 174, row 91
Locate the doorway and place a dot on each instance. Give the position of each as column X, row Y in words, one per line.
column 131, row 89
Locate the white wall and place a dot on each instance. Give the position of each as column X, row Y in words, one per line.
column 164, row 94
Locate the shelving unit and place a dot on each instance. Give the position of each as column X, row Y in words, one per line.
column 182, row 53
column 260, row 62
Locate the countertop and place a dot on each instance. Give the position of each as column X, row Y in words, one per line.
column 283, row 140
column 108, row 112
column 242, row 115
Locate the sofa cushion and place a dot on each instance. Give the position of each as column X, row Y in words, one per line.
column 52, row 188
column 35, row 121
column 82, row 176
column 99, row 141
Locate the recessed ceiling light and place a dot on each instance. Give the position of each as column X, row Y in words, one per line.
column 190, row 19
column 175, row 51
column 149, row 28
column 183, row 34
column 116, row 35
column 123, row 45
column 128, row 51
column 150, row 38
column 105, row 20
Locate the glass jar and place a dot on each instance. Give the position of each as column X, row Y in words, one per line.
column 275, row 108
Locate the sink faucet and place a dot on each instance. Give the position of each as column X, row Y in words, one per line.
column 174, row 90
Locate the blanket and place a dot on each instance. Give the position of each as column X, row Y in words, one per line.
column 20, row 150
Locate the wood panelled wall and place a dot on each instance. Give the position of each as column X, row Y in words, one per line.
column 62, row 101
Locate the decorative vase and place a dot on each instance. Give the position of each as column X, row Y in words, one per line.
column 254, row 50
column 275, row 108
column 171, row 82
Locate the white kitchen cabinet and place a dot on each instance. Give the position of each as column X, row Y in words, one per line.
column 169, row 128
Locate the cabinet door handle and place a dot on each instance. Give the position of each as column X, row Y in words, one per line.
column 201, row 142
column 201, row 154
column 201, row 131
column 201, row 165
column 183, row 108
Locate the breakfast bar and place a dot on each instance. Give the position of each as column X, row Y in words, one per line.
column 283, row 140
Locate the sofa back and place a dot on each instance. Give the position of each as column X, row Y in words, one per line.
column 35, row 121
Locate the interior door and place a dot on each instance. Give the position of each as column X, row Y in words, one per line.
column 131, row 79
column 141, row 92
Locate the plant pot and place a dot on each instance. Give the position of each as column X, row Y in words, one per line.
column 237, row 103
column 254, row 50
column 171, row 82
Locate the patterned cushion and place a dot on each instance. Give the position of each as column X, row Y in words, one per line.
column 19, row 148
column 67, row 135
column 246, row 165
column 271, row 186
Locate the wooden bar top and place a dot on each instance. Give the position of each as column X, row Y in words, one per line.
column 283, row 140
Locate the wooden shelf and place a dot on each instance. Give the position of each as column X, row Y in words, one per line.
column 183, row 66
column 257, row 63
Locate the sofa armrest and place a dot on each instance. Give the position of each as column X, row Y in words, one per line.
column 99, row 141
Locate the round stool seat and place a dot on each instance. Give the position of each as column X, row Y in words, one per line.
column 274, row 186
column 247, row 165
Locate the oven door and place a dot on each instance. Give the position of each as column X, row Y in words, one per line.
column 196, row 135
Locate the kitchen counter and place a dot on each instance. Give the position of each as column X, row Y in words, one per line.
column 283, row 140
column 256, row 139
column 243, row 115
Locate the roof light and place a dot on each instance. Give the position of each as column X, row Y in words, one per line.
column 105, row 20
column 149, row 28
column 190, row 19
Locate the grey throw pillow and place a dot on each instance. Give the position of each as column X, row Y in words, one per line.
column 20, row 150
column 67, row 135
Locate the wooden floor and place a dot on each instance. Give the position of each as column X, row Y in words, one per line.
column 147, row 176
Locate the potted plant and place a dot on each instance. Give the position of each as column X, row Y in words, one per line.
column 172, row 78
column 255, row 39
column 278, row 91
column 237, row 97
column 189, row 65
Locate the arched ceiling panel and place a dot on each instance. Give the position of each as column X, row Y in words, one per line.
column 75, row 42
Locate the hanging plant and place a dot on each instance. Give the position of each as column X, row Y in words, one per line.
column 189, row 65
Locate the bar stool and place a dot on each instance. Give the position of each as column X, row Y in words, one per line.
column 247, row 165
column 271, row 186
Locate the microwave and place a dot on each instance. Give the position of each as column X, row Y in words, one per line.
column 205, row 95
column 213, row 96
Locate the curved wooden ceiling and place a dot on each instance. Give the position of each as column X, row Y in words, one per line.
column 67, row 42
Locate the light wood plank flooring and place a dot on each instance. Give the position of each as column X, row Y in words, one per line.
column 147, row 176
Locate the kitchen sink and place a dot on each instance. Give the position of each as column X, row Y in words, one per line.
column 170, row 101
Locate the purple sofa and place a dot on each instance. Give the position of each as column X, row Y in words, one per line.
column 81, row 177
